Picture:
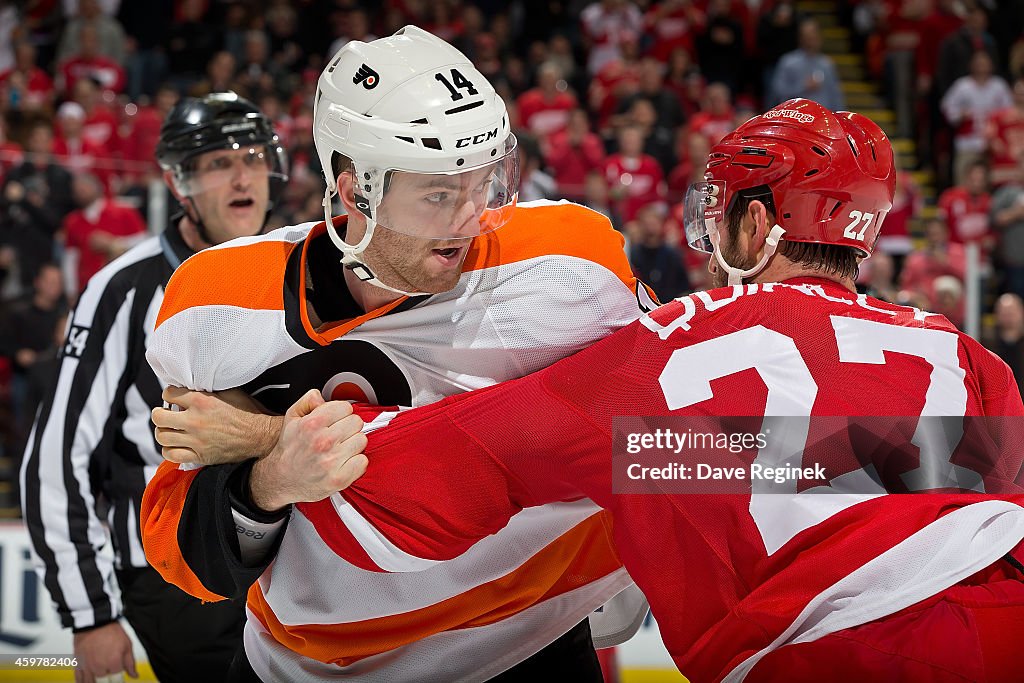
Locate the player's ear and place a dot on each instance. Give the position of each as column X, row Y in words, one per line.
column 346, row 191
column 356, row 221
column 758, row 223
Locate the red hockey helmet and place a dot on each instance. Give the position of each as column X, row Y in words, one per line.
column 832, row 176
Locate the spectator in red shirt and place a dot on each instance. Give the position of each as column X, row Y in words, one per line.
column 902, row 35
column 140, row 131
column 716, row 117
column 634, row 178
column 607, row 25
column 617, row 80
column 658, row 142
column 692, row 150
column 938, row 257
column 572, row 153
column 97, row 232
column 100, row 120
column 932, row 132
column 88, row 62
column 673, row 24
column 1005, row 135
column 965, row 207
column 966, row 210
column 895, row 239
column 941, row 23
column 26, row 87
column 74, row 151
column 545, row 109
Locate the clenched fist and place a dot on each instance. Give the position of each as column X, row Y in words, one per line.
column 319, row 452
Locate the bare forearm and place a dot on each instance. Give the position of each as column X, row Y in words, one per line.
column 266, row 432
column 214, row 428
column 264, row 488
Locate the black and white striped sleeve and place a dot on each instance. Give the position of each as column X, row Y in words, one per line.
column 71, row 443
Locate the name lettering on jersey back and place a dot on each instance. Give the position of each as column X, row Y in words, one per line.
column 713, row 300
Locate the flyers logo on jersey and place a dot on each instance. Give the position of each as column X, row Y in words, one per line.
column 367, row 76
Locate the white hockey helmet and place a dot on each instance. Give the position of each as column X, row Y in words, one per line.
column 413, row 104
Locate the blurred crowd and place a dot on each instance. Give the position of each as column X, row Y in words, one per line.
column 615, row 103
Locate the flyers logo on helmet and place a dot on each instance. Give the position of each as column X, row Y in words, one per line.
column 367, row 76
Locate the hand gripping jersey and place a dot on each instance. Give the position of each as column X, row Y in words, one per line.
column 546, row 285
column 733, row 577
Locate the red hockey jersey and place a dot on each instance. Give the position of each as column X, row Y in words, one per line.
column 730, row 577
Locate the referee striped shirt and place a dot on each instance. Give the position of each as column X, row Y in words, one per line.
column 91, row 450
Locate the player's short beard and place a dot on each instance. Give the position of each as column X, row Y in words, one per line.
column 732, row 256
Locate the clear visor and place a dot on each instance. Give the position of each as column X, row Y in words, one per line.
column 703, row 208
column 455, row 205
column 250, row 171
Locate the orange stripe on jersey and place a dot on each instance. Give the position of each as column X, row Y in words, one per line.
column 560, row 229
column 229, row 276
column 162, row 504
column 329, row 334
column 237, row 276
column 580, row 556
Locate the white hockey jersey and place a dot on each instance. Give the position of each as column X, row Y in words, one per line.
column 546, row 285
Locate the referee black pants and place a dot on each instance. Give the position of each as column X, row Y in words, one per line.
column 570, row 658
column 186, row 641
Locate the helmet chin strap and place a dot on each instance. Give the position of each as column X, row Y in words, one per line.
column 350, row 253
column 736, row 276
column 200, row 226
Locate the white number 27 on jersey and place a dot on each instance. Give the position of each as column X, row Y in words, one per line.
column 792, row 390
